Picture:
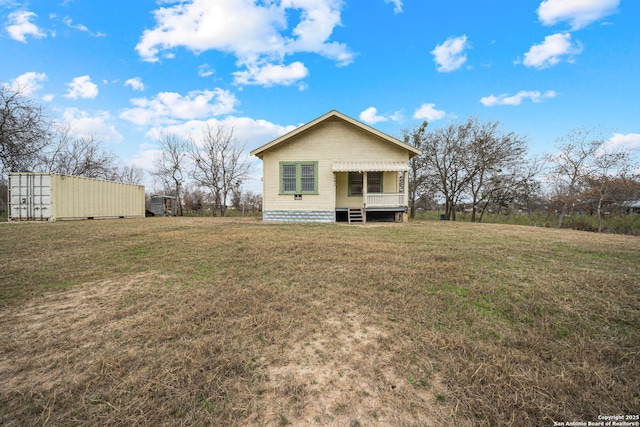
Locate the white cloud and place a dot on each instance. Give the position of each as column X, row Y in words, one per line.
column 169, row 107
column 135, row 83
column 550, row 52
column 69, row 23
column 578, row 13
column 450, row 56
column 28, row 83
column 257, row 33
column 234, row 26
column 80, row 27
column 370, row 116
column 429, row 113
column 254, row 132
column 504, row 99
column 82, row 87
column 271, row 74
column 397, row 5
column 19, row 26
column 205, row 70
column 624, row 142
column 96, row 125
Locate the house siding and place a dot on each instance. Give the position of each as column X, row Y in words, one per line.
column 328, row 142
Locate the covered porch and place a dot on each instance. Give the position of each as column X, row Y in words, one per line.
column 371, row 190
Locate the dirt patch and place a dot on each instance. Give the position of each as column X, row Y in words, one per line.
column 341, row 375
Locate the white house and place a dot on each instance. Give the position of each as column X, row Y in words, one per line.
column 335, row 168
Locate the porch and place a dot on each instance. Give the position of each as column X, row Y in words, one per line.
column 375, row 191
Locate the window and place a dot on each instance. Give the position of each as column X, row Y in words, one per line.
column 355, row 183
column 299, row 177
column 308, row 178
column 374, row 183
column 288, row 178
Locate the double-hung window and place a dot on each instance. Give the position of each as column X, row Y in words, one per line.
column 374, row 183
column 299, row 177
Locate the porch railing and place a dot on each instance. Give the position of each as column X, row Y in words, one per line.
column 385, row 200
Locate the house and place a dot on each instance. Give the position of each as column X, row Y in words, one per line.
column 335, row 168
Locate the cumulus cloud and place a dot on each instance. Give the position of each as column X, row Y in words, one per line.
column 257, row 33
column 94, row 124
column 135, row 83
column 271, row 74
column 170, row 107
column 82, row 87
column 623, row 142
column 504, row 99
column 449, row 56
column 19, row 26
column 28, row 83
column 255, row 132
column 429, row 113
column 578, row 13
column 370, row 116
column 554, row 49
column 397, row 5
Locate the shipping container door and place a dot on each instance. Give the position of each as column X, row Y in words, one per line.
column 30, row 197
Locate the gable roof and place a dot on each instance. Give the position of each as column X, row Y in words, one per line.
column 258, row 152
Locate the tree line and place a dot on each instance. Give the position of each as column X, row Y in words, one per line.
column 215, row 160
column 31, row 141
column 484, row 168
column 471, row 166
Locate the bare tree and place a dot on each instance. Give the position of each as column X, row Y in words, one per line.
column 491, row 152
column 170, row 165
column 131, row 174
column 80, row 156
column 571, row 165
column 220, row 163
column 417, row 171
column 609, row 168
column 252, row 201
column 24, row 131
column 446, row 159
column 194, row 199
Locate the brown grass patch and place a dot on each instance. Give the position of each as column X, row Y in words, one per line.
column 192, row 321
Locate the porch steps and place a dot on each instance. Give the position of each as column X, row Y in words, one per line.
column 356, row 215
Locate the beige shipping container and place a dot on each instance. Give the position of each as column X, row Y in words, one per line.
column 51, row 197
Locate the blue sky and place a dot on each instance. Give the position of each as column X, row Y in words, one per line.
column 127, row 71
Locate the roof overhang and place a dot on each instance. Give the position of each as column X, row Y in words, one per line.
column 370, row 166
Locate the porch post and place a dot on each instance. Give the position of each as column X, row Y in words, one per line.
column 364, row 197
column 406, row 188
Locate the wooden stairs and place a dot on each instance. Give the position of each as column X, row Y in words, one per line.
column 356, row 215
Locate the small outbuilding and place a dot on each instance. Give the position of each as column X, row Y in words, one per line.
column 161, row 205
column 335, row 168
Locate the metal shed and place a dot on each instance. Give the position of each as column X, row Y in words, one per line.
column 164, row 205
column 49, row 197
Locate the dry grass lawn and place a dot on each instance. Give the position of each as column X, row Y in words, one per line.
column 204, row 321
